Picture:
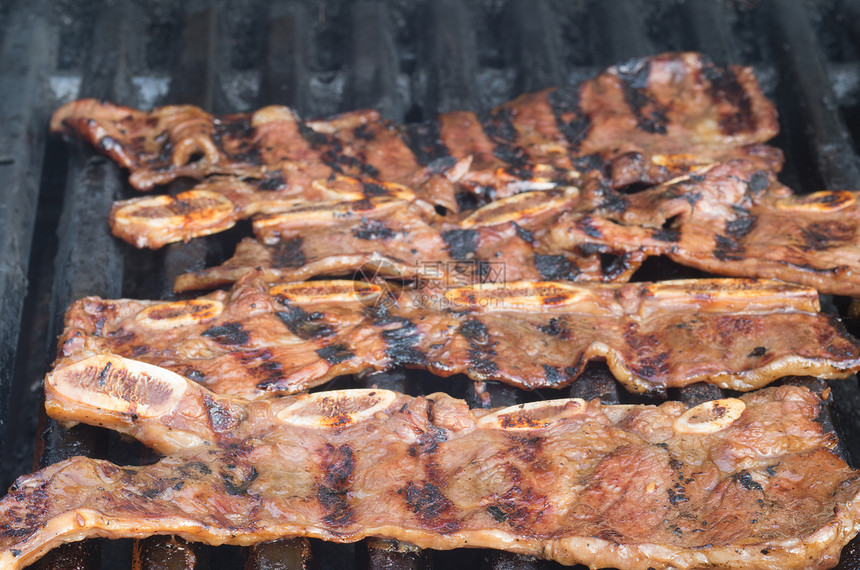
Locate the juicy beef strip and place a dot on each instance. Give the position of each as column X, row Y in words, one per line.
column 733, row 220
column 218, row 202
column 743, row 483
column 263, row 338
column 397, row 238
column 647, row 120
column 729, row 218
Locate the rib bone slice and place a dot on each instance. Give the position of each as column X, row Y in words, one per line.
column 568, row 480
column 646, row 120
column 275, row 337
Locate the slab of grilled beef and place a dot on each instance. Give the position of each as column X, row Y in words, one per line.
column 647, row 120
column 729, row 218
column 751, row 482
column 263, row 338
column 504, row 240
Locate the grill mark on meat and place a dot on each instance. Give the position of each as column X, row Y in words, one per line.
column 274, row 181
column 569, row 118
column 288, row 253
column 819, row 236
column 741, row 226
column 433, row 508
column 759, row 181
column 425, row 142
column 725, row 87
column 238, row 479
column 337, row 466
column 220, row 417
column 228, row 334
column 461, row 243
column 634, row 77
column 371, row 229
column 261, row 365
column 234, row 126
column 481, row 352
column 747, row 482
column 335, row 353
column 499, row 128
column 316, row 139
column 304, row 325
column 727, row 249
column 525, row 235
column 428, row 442
column 555, row 327
column 373, row 190
column 555, row 267
column 402, row 341
column 553, row 374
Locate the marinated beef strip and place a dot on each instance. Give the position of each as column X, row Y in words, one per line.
column 749, row 482
column 218, row 202
column 401, row 239
column 732, row 220
column 647, row 120
column 266, row 338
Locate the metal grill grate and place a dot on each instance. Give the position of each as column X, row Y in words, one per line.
column 410, row 62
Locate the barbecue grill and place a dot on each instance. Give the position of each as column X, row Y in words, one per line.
column 410, row 62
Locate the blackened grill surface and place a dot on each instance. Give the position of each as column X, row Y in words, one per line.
column 409, row 60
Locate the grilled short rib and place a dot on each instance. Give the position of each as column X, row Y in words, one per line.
column 263, row 338
column 647, row 120
column 750, row 482
column 398, row 238
column 729, row 218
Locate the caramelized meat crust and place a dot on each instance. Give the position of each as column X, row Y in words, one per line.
column 395, row 238
column 743, row 483
column 646, row 120
column 733, row 220
column 729, row 218
column 264, row 338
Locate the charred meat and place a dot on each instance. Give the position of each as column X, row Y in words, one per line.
column 263, row 338
column 646, row 120
column 749, row 482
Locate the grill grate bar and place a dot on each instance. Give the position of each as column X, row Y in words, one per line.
column 708, row 31
column 535, row 44
column 27, row 55
column 622, row 31
column 450, row 59
column 285, row 74
column 802, row 63
column 371, row 81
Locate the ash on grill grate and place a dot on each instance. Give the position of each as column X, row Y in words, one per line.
column 407, row 60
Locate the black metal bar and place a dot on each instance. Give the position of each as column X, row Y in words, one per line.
column 700, row 392
column 371, row 80
column 383, row 554
column 620, row 30
column 802, row 67
column 535, row 44
column 163, row 553
column 450, row 58
column 27, row 56
column 288, row 50
column 501, row 560
column 292, row 554
column 596, row 381
column 708, row 31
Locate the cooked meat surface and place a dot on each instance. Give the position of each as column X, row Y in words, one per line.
column 742, row 483
column 263, row 338
column 733, row 220
column 647, row 120
column 729, row 218
column 397, row 238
